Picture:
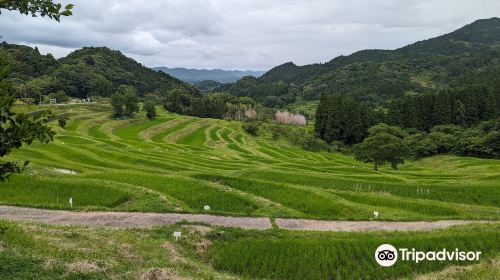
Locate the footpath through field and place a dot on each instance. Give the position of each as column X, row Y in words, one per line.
column 145, row 220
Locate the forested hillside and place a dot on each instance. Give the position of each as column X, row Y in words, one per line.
column 85, row 72
column 467, row 56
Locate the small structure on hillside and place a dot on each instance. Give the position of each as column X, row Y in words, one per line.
column 53, row 101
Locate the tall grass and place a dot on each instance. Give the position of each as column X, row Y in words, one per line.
column 307, row 202
column 161, row 135
column 132, row 132
column 195, row 194
column 94, row 131
column 341, row 256
column 55, row 192
column 481, row 194
column 197, row 138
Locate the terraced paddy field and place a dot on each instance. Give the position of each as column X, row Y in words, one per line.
column 179, row 164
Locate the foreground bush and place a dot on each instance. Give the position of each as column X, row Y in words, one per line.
column 251, row 127
column 314, row 144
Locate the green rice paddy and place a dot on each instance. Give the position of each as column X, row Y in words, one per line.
column 179, row 164
column 189, row 162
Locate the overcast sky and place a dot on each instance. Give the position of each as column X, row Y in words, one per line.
column 243, row 34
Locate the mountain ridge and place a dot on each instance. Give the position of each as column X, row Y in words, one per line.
column 468, row 55
column 84, row 72
column 192, row 75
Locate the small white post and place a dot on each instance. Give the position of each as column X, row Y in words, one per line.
column 177, row 234
column 71, row 202
column 375, row 213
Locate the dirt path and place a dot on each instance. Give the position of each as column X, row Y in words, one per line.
column 298, row 224
column 124, row 219
column 144, row 220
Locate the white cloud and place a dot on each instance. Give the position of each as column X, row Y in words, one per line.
column 243, row 34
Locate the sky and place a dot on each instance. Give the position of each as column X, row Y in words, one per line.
column 242, row 34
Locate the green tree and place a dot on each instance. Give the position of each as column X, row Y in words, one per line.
column 381, row 147
column 131, row 99
column 149, row 107
column 124, row 101
column 17, row 129
column 117, row 103
column 459, row 113
column 172, row 101
column 343, row 119
column 80, row 81
column 251, row 127
column 492, row 140
column 62, row 120
column 37, row 7
column 215, row 106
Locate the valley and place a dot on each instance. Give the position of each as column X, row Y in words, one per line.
column 178, row 164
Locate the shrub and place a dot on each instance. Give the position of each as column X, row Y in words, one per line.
column 492, row 140
column 472, row 143
column 149, row 107
column 314, row 144
column 432, row 144
column 251, row 127
column 59, row 96
column 62, row 120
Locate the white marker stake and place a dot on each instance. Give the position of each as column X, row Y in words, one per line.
column 177, row 234
column 71, row 202
column 206, row 207
column 375, row 213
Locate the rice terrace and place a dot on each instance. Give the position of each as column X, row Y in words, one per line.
column 178, row 164
column 381, row 164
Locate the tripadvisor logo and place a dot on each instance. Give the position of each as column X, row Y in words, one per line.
column 387, row 255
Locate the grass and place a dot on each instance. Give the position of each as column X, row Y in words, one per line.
column 194, row 194
column 457, row 192
column 132, row 132
column 179, row 164
column 285, row 255
column 309, row 203
column 197, row 138
column 47, row 252
column 199, row 151
column 55, row 192
column 95, row 132
column 159, row 136
column 30, row 251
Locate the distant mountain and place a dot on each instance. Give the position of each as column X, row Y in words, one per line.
column 467, row 56
column 120, row 69
column 198, row 75
column 85, row 72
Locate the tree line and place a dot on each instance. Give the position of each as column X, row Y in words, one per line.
column 343, row 119
column 462, row 121
column 215, row 105
column 465, row 107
